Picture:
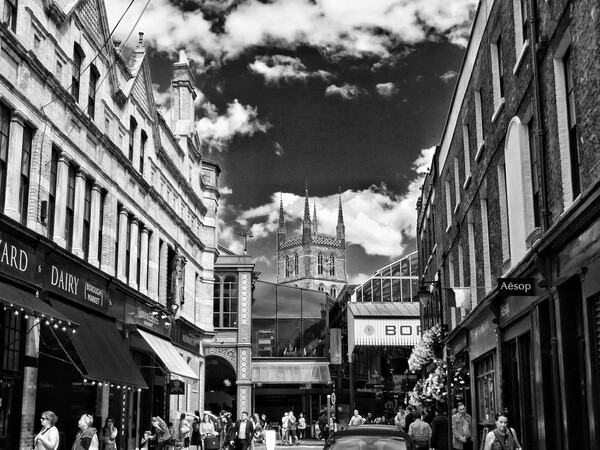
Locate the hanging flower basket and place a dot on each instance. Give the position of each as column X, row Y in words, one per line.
column 425, row 350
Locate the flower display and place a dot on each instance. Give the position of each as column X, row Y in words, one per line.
column 424, row 351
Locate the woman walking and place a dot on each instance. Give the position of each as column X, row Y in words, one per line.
column 47, row 438
column 503, row 437
column 196, row 440
column 108, row 435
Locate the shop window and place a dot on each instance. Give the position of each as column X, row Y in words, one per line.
column 485, row 386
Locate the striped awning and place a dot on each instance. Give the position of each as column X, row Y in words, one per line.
column 291, row 372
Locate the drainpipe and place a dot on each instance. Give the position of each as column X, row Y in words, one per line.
column 541, row 154
column 539, row 141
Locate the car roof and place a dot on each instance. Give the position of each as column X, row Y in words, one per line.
column 370, row 429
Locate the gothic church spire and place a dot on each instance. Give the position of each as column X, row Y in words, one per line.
column 340, row 228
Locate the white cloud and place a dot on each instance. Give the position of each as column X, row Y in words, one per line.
column 347, row 91
column 358, row 278
column 387, row 89
column 448, row 76
column 376, row 219
column 225, row 190
column 239, row 120
column 337, row 28
column 279, row 68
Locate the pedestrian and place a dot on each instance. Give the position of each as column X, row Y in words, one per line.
column 258, row 428
column 369, row 418
column 399, row 420
column 285, row 423
column 356, row 419
column 292, row 428
column 162, row 432
column 48, row 437
column 462, row 429
column 172, row 441
column 87, row 437
column 439, row 430
column 323, row 427
column 409, row 417
column 195, row 438
column 429, row 414
column 228, row 432
column 184, row 431
column 420, row 432
column 301, row 427
column 502, row 437
column 145, row 442
column 244, row 431
column 108, row 435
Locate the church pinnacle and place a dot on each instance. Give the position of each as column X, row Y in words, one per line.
column 340, row 228
column 315, row 227
column 306, row 223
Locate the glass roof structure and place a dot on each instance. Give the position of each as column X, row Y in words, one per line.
column 397, row 282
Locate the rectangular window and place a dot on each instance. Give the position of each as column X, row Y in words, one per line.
column 128, row 249
column 70, row 213
column 87, row 216
column 497, row 75
column 119, row 208
column 535, row 166
column 503, row 200
column 139, row 254
column 143, row 150
column 101, row 225
column 91, row 108
column 11, row 350
column 132, row 128
column 456, row 183
column 10, row 14
column 76, row 76
column 572, row 124
column 52, row 193
column 25, row 167
column 448, row 205
column 478, row 125
column 466, row 151
column 4, row 133
column 485, row 386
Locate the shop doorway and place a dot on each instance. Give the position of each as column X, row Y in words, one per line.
column 220, row 386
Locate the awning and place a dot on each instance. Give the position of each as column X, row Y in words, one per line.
column 30, row 304
column 301, row 372
column 168, row 355
column 104, row 354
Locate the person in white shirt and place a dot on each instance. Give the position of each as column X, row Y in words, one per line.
column 47, row 438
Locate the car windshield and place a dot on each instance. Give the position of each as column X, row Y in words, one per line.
column 350, row 442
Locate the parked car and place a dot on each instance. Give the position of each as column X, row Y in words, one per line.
column 369, row 437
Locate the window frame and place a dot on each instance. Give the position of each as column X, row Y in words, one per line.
column 70, row 206
column 5, row 118
column 25, row 172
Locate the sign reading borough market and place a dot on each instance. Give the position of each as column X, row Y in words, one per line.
column 516, row 286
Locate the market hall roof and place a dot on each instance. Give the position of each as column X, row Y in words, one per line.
column 396, row 309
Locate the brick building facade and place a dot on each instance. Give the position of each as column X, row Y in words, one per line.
column 108, row 223
column 513, row 193
column 312, row 260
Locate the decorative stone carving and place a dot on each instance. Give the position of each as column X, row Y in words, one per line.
column 227, row 353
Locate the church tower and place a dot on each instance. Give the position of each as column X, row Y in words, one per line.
column 312, row 260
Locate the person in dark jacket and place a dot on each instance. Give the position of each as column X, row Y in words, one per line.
column 439, row 431
column 244, row 432
column 409, row 418
column 87, row 436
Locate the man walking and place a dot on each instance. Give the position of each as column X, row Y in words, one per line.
column 356, row 419
column 285, row 429
column 243, row 433
column 462, row 429
column 439, row 430
column 420, row 431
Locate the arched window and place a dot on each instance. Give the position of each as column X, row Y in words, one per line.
column 320, row 264
column 296, row 264
column 332, row 264
column 225, row 302
column 321, row 288
column 333, row 291
column 287, row 266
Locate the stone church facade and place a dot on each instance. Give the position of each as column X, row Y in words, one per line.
column 312, row 260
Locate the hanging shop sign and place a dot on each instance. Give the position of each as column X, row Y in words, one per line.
column 139, row 313
column 186, row 337
column 516, row 286
column 386, row 331
column 176, row 387
column 67, row 281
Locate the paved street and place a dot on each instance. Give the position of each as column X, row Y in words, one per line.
column 306, row 444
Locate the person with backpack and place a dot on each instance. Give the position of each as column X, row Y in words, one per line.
column 87, row 438
column 48, row 437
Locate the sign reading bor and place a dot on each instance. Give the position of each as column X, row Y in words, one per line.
column 386, row 331
column 516, row 286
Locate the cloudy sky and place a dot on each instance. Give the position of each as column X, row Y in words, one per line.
column 333, row 94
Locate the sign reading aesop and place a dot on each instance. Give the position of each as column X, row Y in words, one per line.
column 516, row 286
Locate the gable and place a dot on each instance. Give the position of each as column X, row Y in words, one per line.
column 89, row 14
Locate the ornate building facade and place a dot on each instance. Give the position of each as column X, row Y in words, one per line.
column 312, row 260
column 108, row 214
